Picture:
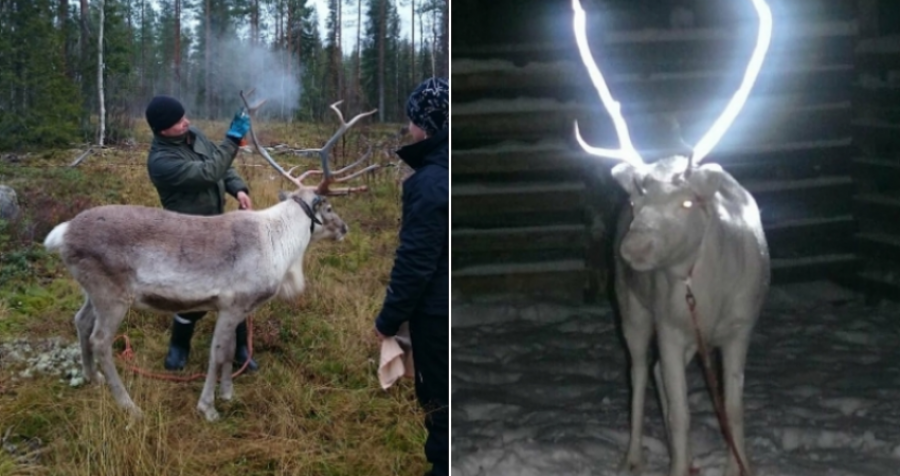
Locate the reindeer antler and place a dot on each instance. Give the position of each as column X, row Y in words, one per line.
column 717, row 131
column 328, row 179
column 324, row 186
column 252, row 110
column 627, row 152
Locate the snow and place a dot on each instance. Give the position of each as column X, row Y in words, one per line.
column 541, row 388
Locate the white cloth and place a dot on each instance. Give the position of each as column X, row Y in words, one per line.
column 396, row 358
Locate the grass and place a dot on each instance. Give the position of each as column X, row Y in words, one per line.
column 314, row 408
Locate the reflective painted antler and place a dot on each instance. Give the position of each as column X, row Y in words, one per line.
column 717, row 131
column 720, row 126
column 627, row 152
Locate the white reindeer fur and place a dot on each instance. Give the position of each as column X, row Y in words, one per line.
column 148, row 258
column 719, row 245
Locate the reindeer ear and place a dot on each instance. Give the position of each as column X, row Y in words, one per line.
column 282, row 195
column 628, row 177
column 706, row 180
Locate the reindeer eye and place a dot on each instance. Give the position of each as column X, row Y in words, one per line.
column 687, row 204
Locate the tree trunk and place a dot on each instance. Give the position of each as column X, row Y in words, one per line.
column 359, row 51
column 445, row 41
column 143, row 68
column 422, row 38
column 288, row 54
column 412, row 42
column 254, row 22
column 100, row 98
column 280, row 42
column 434, row 41
column 85, row 34
column 337, row 56
column 63, row 22
column 207, row 62
column 176, row 90
column 300, row 39
column 382, row 24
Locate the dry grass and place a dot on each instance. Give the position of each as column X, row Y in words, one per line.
column 315, row 408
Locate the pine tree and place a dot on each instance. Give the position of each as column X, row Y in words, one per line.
column 312, row 63
column 379, row 57
column 40, row 104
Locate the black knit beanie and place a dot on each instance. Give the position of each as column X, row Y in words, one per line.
column 163, row 112
column 427, row 106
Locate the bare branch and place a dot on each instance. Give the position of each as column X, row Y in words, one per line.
column 82, row 157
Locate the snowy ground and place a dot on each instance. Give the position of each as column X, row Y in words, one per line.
column 541, row 389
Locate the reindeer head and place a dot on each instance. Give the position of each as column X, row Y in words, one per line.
column 325, row 222
column 670, row 209
column 673, row 199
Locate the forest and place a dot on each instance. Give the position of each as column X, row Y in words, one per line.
column 59, row 86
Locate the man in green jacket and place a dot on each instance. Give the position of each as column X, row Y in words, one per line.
column 192, row 175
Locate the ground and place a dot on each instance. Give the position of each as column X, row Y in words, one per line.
column 314, row 408
column 542, row 388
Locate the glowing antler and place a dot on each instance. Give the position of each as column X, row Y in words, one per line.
column 627, row 152
column 720, row 126
column 717, row 131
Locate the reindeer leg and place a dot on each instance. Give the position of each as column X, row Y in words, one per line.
column 226, row 386
column 661, row 392
column 661, row 388
column 218, row 357
column 637, row 324
column 672, row 360
column 84, row 324
column 109, row 315
column 734, row 357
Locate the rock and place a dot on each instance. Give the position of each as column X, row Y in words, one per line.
column 9, row 203
column 10, row 158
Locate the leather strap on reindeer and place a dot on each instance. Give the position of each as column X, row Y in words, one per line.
column 310, row 211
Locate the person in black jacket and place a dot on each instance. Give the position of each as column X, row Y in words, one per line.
column 418, row 292
column 192, row 175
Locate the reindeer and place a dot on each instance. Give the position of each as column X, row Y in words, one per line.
column 127, row 256
column 692, row 266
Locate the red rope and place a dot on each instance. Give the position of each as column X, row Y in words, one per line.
column 713, row 382
column 128, row 354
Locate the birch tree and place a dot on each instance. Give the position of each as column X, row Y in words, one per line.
column 100, row 99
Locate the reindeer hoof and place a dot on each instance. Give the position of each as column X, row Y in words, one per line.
column 630, row 467
column 734, row 470
column 227, row 394
column 135, row 415
column 208, row 412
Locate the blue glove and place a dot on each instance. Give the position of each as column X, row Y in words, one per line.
column 239, row 126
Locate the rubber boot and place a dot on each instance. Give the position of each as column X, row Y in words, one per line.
column 241, row 351
column 180, row 343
